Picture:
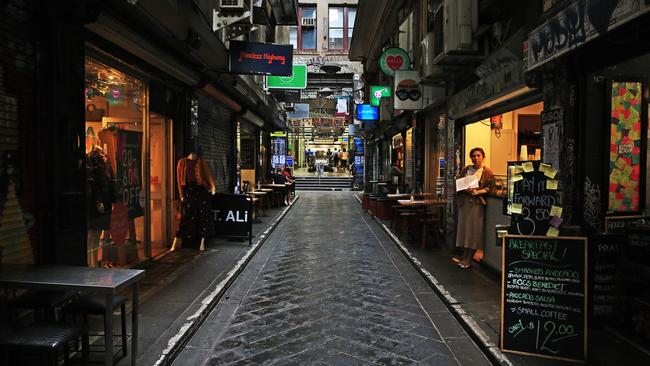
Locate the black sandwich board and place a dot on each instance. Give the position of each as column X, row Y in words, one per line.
column 606, row 295
column 544, row 296
column 616, row 224
column 531, row 192
column 233, row 216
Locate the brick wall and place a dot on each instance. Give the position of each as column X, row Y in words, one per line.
column 17, row 101
column 215, row 139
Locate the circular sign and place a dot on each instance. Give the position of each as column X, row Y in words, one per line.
column 394, row 59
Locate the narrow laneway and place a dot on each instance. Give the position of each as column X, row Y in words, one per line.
column 329, row 288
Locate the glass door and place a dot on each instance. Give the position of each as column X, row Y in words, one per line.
column 161, row 183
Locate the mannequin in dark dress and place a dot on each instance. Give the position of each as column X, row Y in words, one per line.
column 194, row 181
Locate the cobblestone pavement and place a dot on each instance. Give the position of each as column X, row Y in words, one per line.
column 328, row 288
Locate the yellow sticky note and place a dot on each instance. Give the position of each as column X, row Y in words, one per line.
column 516, row 208
column 518, row 169
column 550, row 173
column 552, row 231
column 544, row 167
column 528, row 167
column 551, row 184
column 517, row 178
column 556, row 211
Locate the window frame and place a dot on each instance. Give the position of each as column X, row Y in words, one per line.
column 300, row 12
column 346, row 27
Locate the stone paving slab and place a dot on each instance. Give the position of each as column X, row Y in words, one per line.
column 328, row 289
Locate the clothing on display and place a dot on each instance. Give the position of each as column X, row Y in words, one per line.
column 101, row 189
column 194, row 181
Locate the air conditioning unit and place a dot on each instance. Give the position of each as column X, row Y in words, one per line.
column 454, row 24
column 308, row 22
column 232, row 5
column 428, row 69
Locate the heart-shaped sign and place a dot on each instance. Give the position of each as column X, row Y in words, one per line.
column 394, row 62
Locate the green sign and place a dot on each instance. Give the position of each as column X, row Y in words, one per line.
column 377, row 92
column 394, row 59
column 297, row 80
column 278, row 134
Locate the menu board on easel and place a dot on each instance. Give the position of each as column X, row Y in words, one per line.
column 544, row 296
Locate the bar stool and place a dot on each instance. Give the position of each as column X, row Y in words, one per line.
column 88, row 306
column 43, row 303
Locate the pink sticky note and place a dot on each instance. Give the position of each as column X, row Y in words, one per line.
column 555, row 221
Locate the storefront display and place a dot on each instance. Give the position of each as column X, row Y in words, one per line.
column 129, row 202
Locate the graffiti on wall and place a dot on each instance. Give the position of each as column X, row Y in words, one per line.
column 593, row 207
column 578, row 23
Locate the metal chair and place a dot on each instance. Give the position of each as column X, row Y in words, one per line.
column 88, row 306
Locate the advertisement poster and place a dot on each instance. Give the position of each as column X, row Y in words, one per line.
column 625, row 146
column 128, row 160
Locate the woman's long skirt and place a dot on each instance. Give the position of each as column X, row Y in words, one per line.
column 471, row 222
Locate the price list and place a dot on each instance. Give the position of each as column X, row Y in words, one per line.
column 543, row 296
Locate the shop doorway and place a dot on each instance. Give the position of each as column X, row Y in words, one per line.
column 161, row 183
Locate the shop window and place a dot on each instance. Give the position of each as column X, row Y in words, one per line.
column 510, row 136
column 625, row 170
column 115, row 161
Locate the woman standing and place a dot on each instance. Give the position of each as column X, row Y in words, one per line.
column 471, row 207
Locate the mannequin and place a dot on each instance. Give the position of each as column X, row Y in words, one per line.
column 101, row 193
column 194, row 180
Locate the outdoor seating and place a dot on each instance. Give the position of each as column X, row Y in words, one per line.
column 44, row 341
column 44, row 303
column 88, row 305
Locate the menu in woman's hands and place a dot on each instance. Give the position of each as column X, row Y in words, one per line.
column 465, row 183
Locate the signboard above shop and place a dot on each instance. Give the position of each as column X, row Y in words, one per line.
column 260, row 58
column 408, row 92
column 377, row 92
column 297, row 79
column 394, row 59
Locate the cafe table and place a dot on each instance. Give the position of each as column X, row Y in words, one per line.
column 101, row 281
column 422, row 202
column 408, row 195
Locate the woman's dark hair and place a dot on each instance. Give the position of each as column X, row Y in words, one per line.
column 471, row 152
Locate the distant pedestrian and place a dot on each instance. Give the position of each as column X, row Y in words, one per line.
column 344, row 159
column 335, row 159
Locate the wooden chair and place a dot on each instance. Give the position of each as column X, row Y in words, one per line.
column 430, row 223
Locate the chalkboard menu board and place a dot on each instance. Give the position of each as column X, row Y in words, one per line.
column 247, row 153
column 532, row 194
column 614, row 224
column 605, row 293
column 543, row 296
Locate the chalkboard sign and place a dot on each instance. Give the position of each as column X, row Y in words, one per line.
column 247, row 153
column 543, row 296
column 616, row 224
column 233, row 216
column 605, row 293
column 529, row 189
